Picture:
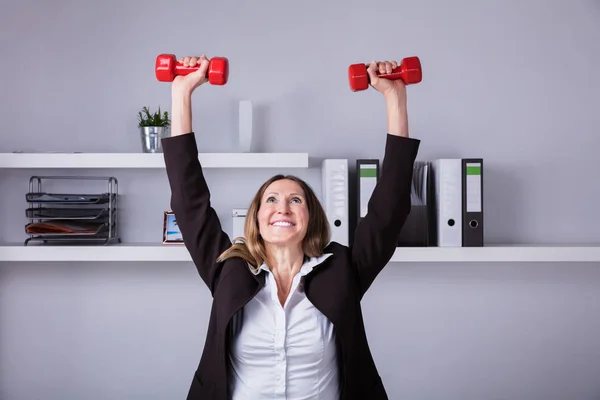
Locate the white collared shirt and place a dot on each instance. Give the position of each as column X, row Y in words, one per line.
column 283, row 353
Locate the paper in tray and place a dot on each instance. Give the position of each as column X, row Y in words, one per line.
column 64, row 227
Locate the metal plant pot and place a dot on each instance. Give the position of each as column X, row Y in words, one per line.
column 151, row 138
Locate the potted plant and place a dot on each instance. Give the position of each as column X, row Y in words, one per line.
column 153, row 127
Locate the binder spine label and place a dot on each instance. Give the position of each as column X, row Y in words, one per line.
column 473, row 192
column 368, row 180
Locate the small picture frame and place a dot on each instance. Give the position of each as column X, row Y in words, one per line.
column 171, row 232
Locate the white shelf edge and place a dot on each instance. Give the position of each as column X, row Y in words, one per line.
column 150, row 160
column 178, row 253
column 80, row 253
column 499, row 253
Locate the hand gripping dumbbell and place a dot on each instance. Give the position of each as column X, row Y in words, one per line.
column 167, row 68
column 409, row 71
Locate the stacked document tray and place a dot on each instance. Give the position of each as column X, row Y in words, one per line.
column 72, row 218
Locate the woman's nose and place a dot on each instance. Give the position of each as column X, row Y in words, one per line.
column 283, row 207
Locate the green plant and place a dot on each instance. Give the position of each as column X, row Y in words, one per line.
column 157, row 119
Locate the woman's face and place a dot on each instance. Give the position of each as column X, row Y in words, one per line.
column 283, row 213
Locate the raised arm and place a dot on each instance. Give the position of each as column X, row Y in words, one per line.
column 377, row 233
column 190, row 197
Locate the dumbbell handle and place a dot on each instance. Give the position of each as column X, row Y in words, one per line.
column 392, row 76
column 182, row 70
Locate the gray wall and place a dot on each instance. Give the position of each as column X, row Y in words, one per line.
column 514, row 82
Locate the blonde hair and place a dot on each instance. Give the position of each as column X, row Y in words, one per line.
column 252, row 247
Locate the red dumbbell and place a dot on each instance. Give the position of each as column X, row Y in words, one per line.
column 167, row 68
column 409, row 71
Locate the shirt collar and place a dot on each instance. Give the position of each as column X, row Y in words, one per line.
column 307, row 266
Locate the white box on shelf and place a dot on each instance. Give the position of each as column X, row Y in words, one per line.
column 238, row 217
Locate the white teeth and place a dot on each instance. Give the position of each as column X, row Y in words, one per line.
column 282, row 224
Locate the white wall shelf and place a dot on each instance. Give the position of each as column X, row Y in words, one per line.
column 178, row 253
column 147, row 160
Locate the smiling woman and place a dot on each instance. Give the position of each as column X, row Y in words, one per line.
column 286, row 318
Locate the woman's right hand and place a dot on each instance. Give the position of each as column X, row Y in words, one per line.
column 186, row 84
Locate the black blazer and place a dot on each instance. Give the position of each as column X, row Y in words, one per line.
column 335, row 288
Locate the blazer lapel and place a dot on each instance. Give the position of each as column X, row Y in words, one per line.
column 241, row 285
